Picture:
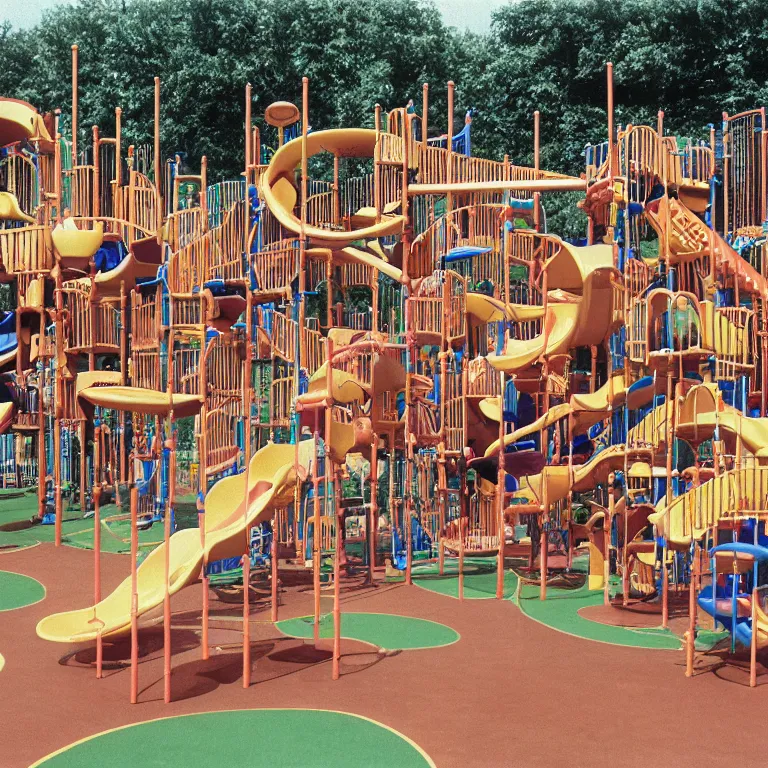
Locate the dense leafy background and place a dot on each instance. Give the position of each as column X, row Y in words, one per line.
column 691, row 58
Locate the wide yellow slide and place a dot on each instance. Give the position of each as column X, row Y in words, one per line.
column 271, row 480
column 579, row 309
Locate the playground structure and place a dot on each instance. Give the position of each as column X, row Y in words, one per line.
column 387, row 359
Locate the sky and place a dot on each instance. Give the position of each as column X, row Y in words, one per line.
column 474, row 15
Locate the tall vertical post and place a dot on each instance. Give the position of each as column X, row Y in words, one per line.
column 118, row 150
column 247, row 398
column 609, row 77
column 662, row 161
column 97, row 550
column 544, row 543
column 536, row 165
column 726, row 179
column 316, row 532
column 424, row 115
column 96, row 195
column 303, row 207
column 607, row 523
column 58, row 407
column 372, row 517
column 501, row 495
column 158, row 164
column 377, row 162
column 763, row 170
column 669, row 439
column 273, row 553
column 248, row 136
column 57, row 163
column 336, row 567
column 336, row 191
column 753, row 639
column 690, row 647
column 168, row 444
column 134, row 593
column 74, row 105
column 449, row 148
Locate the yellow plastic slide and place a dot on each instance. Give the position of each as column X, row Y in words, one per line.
column 142, row 400
column 579, row 310
column 560, row 323
column 20, row 120
column 703, row 409
column 271, row 480
column 6, row 417
column 10, row 210
column 588, row 409
column 691, row 514
column 690, row 237
column 278, row 184
column 585, row 477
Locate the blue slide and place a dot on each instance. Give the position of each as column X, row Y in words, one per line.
column 727, row 604
column 8, row 341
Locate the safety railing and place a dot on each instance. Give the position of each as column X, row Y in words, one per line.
column 454, row 422
column 733, row 341
column 482, row 379
column 145, row 368
column 313, row 348
column 745, row 169
column 188, row 310
column 281, row 402
column 183, row 227
column 276, row 267
column 284, row 337
column 26, row 250
column 186, row 369
column 224, row 368
column 145, row 331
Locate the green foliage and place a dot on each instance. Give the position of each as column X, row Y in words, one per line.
column 691, row 58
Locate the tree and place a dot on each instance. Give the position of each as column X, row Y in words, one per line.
column 690, row 58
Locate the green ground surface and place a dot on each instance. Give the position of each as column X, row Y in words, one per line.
column 290, row 738
column 561, row 612
column 17, row 590
column 76, row 531
column 479, row 578
column 383, row 630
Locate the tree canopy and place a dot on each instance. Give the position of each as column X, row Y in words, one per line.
column 691, row 58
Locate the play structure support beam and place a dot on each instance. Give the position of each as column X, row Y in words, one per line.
column 74, row 105
column 246, row 402
column 337, row 571
column 158, row 164
column 611, row 129
column 134, row 493
column 522, row 185
column 536, row 161
column 501, row 495
column 607, row 523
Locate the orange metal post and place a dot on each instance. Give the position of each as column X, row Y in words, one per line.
column 74, row 105
column 274, row 565
column 336, row 474
column 609, row 76
column 247, row 398
column 158, row 164
column 134, row 593
column 97, row 562
column 536, row 161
